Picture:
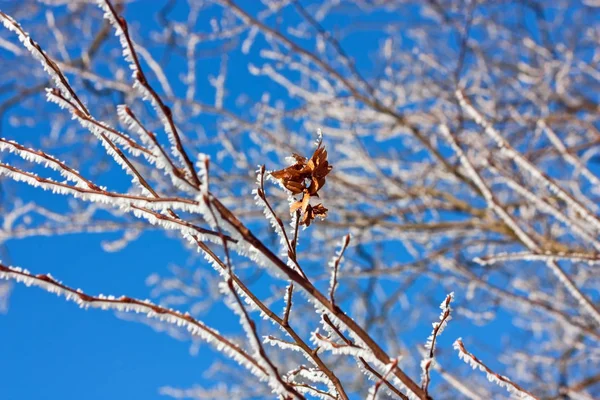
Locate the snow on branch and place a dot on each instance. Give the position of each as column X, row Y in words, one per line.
column 235, row 303
column 374, row 390
column 128, row 304
column 586, row 258
column 276, row 222
column 570, row 158
column 508, row 219
column 577, row 227
column 142, row 84
column 66, row 97
column 364, row 358
column 119, row 200
column 99, row 129
column 438, row 328
column 335, row 264
column 367, row 361
column 161, row 159
column 509, row 152
column 49, row 66
column 108, row 137
column 148, row 208
column 46, row 160
column 491, row 200
column 274, row 379
column 313, row 375
column 492, row 376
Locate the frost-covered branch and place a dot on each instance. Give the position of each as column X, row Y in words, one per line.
column 499, row 380
column 128, row 304
column 438, row 328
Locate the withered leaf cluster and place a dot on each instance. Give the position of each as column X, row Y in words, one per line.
column 306, row 177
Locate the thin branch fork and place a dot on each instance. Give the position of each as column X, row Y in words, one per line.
column 294, row 276
column 365, row 364
column 141, row 78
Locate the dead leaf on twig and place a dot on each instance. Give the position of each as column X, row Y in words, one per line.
column 306, row 176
